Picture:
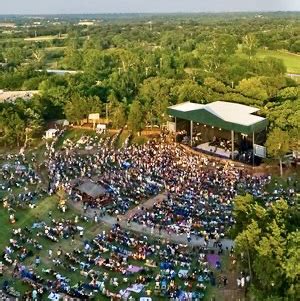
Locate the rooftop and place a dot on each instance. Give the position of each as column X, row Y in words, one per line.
column 227, row 115
column 92, row 189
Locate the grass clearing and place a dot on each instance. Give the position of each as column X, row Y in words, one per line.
column 291, row 61
column 74, row 135
column 139, row 140
column 46, row 38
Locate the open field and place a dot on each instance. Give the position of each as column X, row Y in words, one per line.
column 291, row 61
column 45, row 38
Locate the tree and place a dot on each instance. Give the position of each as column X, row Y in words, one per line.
column 250, row 45
column 214, row 53
column 136, row 117
column 72, row 59
column 247, row 241
column 12, row 127
column 33, row 125
column 243, row 207
column 155, row 94
column 268, row 247
column 188, row 90
column 291, row 264
column 254, row 88
column 278, row 144
column 268, row 261
column 295, row 139
column 79, row 107
column 14, row 56
column 118, row 116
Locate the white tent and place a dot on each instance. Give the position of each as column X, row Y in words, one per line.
column 50, row 134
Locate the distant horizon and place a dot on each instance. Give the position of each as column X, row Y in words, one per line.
column 75, row 7
column 152, row 13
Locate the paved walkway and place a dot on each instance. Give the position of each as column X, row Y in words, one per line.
column 147, row 205
column 172, row 237
column 180, row 239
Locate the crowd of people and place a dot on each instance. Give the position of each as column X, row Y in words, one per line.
column 116, row 264
column 198, row 194
column 18, row 174
column 200, row 190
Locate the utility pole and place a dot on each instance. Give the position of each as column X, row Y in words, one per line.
column 160, row 62
column 106, row 109
column 146, row 69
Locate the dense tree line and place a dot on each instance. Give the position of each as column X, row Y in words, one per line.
column 267, row 243
column 133, row 69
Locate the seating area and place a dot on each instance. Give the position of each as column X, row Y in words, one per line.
column 76, row 253
column 115, row 264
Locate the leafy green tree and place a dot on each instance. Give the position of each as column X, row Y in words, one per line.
column 270, row 254
column 296, row 46
column 136, row 117
column 215, row 85
column 289, row 93
column 250, row 45
column 72, row 59
column 253, row 87
column 243, row 210
column 12, row 127
column 14, row 56
column 33, row 125
column 80, row 107
column 188, row 90
column 278, row 144
column 291, row 264
column 267, row 247
column 246, row 243
column 214, row 53
column 119, row 117
column 156, row 96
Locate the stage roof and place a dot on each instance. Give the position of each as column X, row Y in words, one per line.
column 225, row 115
column 92, row 189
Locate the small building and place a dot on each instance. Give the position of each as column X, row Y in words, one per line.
column 62, row 122
column 51, row 133
column 91, row 189
column 101, row 128
column 86, row 23
column 93, row 192
column 60, row 71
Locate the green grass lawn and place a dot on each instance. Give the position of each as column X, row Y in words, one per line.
column 121, row 139
column 25, row 218
column 291, row 61
column 139, row 140
column 40, row 213
column 74, row 135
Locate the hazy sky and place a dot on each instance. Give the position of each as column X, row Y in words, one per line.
column 125, row 6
